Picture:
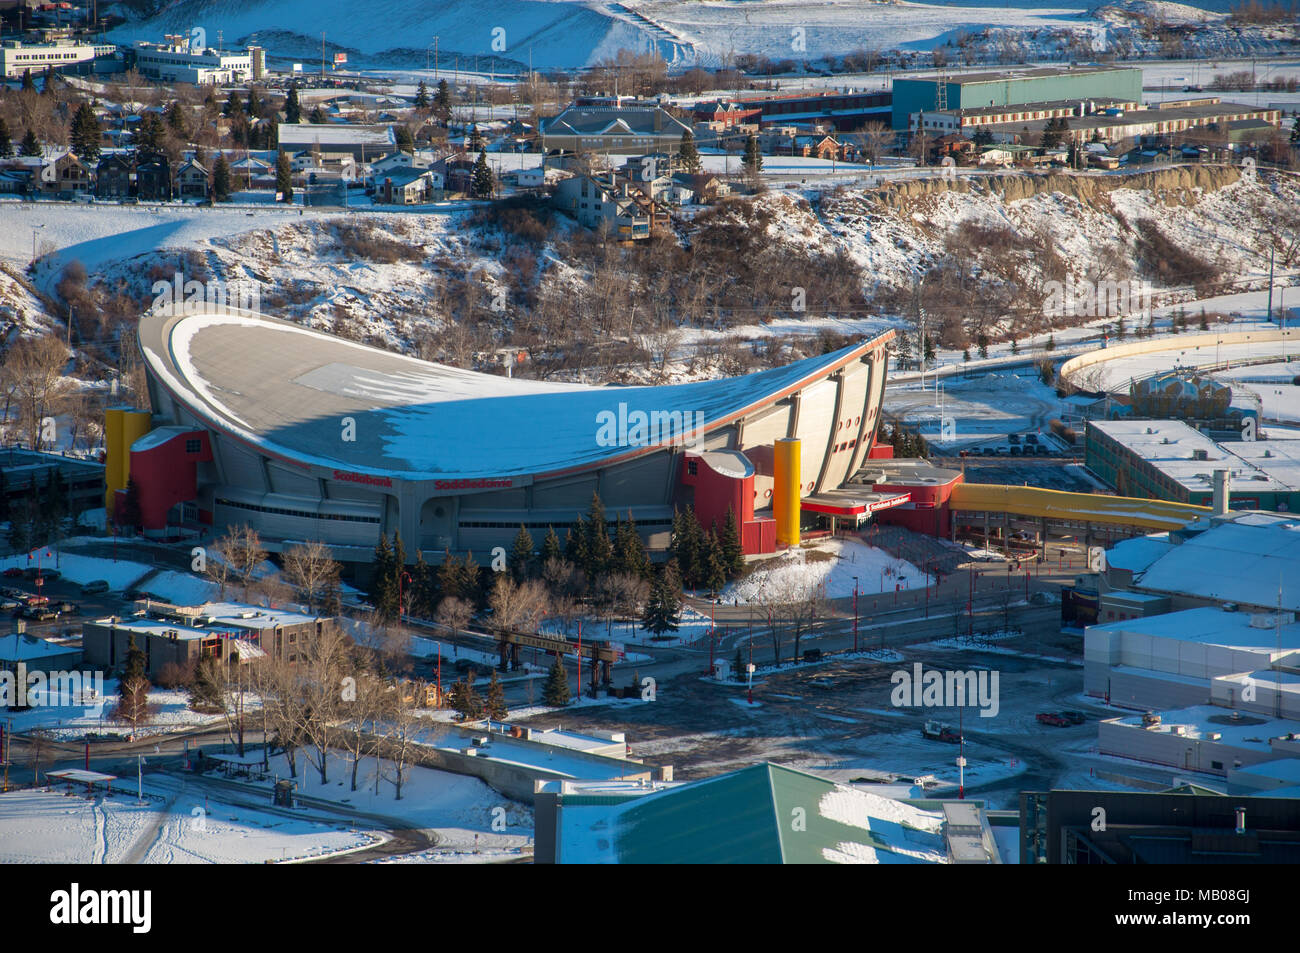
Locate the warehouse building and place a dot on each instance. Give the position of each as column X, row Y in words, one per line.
column 303, row 435
column 63, row 55
column 178, row 60
column 1170, row 460
column 1020, row 87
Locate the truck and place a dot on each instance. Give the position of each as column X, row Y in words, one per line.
column 938, row 731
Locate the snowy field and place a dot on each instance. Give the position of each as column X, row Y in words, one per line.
column 119, row 575
column 1274, row 383
column 64, row 719
column 172, row 827
column 454, row 806
column 826, row 567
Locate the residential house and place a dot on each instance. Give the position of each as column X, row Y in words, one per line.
column 399, row 160
column 408, row 187
column 115, row 177
column 192, row 180
column 153, row 178
column 65, row 175
column 602, row 205
column 820, row 147
column 457, row 172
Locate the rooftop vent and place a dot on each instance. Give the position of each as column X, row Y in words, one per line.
column 1199, row 454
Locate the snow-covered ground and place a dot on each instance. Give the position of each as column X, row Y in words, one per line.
column 454, row 806
column 173, row 826
column 65, row 718
column 827, row 569
column 119, row 575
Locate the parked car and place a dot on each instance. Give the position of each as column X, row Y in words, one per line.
column 1052, row 718
column 10, row 604
column 40, row 613
column 1074, row 717
column 50, row 574
column 13, row 572
column 65, row 607
column 36, row 600
column 95, row 585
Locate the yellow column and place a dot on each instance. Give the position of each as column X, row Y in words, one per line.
column 785, row 490
column 123, row 426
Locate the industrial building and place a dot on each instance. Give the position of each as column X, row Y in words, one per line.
column 362, row 143
column 182, row 635
column 1194, row 657
column 1170, row 460
column 744, row 817
column 1060, row 827
column 1201, row 121
column 303, row 435
column 63, row 55
column 1020, row 87
column 1245, row 559
column 23, row 472
column 179, row 60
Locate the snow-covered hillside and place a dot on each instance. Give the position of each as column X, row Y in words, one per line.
column 572, row 33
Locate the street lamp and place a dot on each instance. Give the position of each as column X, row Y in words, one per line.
column 34, row 229
column 855, row 613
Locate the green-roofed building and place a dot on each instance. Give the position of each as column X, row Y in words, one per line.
column 764, row 814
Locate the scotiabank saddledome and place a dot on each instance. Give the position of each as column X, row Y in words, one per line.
column 303, row 435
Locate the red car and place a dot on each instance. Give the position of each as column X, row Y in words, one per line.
column 13, row 572
column 1052, row 718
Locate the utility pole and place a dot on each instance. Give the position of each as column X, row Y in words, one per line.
column 322, row 57
column 1271, row 250
column 435, row 60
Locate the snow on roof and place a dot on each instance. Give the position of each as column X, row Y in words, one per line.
column 21, row 647
column 1171, row 447
column 335, row 134
column 1284, row 769
column 1138, row 553
column 1249, row 560
column 1211, row 626
column 286, row 389
column 1198, row 722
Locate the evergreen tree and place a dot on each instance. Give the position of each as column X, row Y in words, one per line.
column 31, row 146
column 733, row 550
column 85, row 133
column 254, row 107
column 752, row 161
column 687, row 546
column 982, row 343
column 317, row 116
column 292, row 107
column 176, row 121
column 206, row 693
column 379, row 591
column 484, row 182
column 405, row 141
column 6, row 144
column 713, row 573
column 495, row 703
column 284, row 177
column 27, row 83
column 133, row 686
column 556, row 690
column 664, row 604
column 475, row 140
column 424, row 588
column 551, row 548
column 471, row 580
column 422, row 100
column 600, row 551
column 150, row 134
column 47, row 88
column 131, row 512
column 1051, row 343
column 576, row 548
column 465, row 699
column 521, row 554
column 689, row 155
column 221, row 179
column 449, row 577
column 629, row 551
column 442, row 102
column 234, row 105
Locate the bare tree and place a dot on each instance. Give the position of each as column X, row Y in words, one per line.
column 516, row 605
column 33, row 371
column 311, row 569
column 242, row 549
column 327, row 675
column 454, row 612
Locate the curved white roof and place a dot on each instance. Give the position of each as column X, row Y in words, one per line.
column 289, row 390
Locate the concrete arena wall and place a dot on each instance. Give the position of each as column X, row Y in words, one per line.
column 1072, row 369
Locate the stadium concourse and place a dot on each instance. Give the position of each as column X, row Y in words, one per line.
column 303, row 435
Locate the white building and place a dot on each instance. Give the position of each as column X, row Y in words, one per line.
column 18, row 57
column 177, row 61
